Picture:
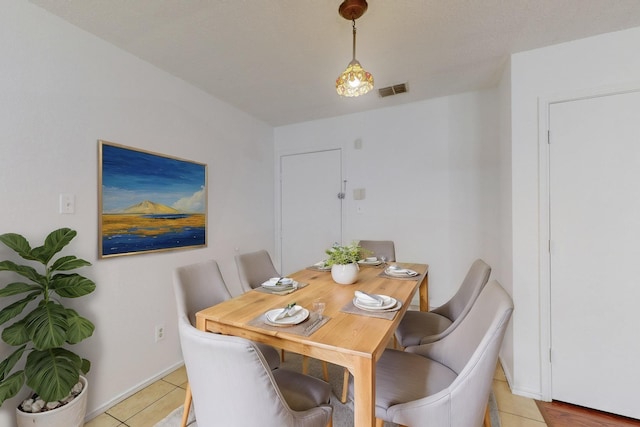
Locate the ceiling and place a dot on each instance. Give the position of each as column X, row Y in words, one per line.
column 277, row 60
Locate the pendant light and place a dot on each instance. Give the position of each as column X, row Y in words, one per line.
column 355, row 80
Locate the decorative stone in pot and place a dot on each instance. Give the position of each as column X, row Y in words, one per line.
column 345, row 274
column 69, row 415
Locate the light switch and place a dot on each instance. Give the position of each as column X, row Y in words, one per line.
column 67, row 203
column 359, row 194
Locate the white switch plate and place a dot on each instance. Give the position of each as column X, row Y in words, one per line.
column 67, row 203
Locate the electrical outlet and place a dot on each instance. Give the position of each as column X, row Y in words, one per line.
column 159, row 332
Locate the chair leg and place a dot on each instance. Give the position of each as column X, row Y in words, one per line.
column 345, row 386
column 187, row 406
column 379, row 422
column 281, row 355
column 487, row 418
column 325, row 371
column 305, row 364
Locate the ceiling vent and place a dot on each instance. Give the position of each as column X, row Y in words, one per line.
column 393, row 90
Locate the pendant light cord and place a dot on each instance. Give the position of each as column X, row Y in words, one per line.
column 354, row 39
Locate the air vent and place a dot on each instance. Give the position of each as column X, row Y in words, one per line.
column 392, row 90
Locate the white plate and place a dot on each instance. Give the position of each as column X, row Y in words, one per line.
column 395, row 307
column 365, row 262
column 388, row 302
column 400, row 272
column 300, row 315
column 276, row 288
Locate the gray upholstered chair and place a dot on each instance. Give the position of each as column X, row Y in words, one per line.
column 445, row 383
column 380, row 248
column 232, row 385
column 198, row 286
column 254, row 268
column 419, row 327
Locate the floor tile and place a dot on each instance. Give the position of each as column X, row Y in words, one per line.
column 103, row 420
column 158, row 410
column 510, row 420
column 499, row 375
column 177, row 377
column 516, row 405
column 140, row 400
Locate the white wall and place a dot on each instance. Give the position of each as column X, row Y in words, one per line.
column 505, row 234
column 599, row 64
column 61, row 90
column 430, row 171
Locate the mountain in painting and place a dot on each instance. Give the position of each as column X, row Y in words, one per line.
column 150, row 208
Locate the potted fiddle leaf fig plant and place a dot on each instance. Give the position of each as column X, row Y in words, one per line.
column 343, row 260
column 43, row 330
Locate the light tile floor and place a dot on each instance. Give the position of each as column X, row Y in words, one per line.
column 514, row 411
column 153, row 403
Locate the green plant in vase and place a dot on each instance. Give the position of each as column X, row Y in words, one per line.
column 48, row 328
column 343, row 255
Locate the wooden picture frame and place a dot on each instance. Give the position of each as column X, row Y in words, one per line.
column 149, row 202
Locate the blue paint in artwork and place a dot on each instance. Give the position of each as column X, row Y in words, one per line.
column 126, row 243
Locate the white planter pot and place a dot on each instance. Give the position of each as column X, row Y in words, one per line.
column 345, row 274
column 70, row 415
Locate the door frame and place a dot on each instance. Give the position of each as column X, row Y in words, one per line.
column 545, row 245
column 278, row 192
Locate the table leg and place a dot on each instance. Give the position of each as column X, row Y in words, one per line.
column 424, row 293
column 364, row 382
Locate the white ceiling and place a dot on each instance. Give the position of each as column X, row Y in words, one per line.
column 277, row 60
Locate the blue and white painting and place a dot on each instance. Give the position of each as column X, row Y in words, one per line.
column 150, row 202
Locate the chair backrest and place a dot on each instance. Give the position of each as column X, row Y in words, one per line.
column 198, row 286
column 380, row 248
column 254, row 268
column 471, row 350
column 231, row 382
column 459, row 305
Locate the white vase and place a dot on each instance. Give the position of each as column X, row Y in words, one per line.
column 70, row 415
column 345, row 274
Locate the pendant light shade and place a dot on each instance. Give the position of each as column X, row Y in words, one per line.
column 355, row 80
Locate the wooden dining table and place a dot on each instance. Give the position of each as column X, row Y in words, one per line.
column 355, row 341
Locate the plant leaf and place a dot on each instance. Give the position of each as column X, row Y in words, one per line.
column 14, row 309
column 18, row 243
column 86, row 366
column 7, row 364
column 16, row 334
column 67, row 263
column 52, row 373
column 55, row 241
column 23, row 270
column 47, row 325
column 11, row 386
column 79, row 327
column 71, row 285
column 18, row 288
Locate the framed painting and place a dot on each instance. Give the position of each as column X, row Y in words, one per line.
column 149, row 202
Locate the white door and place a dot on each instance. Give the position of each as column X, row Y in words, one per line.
column 595, row 252
column 311, row 211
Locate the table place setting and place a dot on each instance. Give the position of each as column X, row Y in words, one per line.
column 371, row 261
column 397, row 272
column 280, row 286
column 373, row 305
column 319, row 266
column 293, row 319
